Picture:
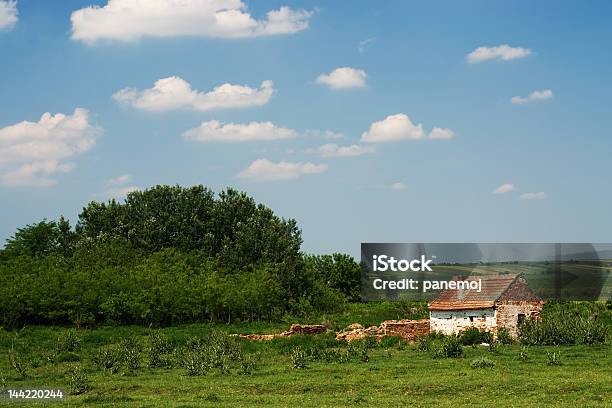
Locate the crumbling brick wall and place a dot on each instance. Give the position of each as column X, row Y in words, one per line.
column 407, row 329
column 507, row 313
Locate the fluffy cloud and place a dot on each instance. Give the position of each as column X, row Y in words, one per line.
column 31, row 152
column 176, row 93
column 8, row 14
column 119, row 180
column 326, row 134
column 215, row 131
column 265, row 170
column 119, row 187
column 534, row 196
column 441, row 133
column 398, row 186
column 333, row 150
column 533, row 97
column 504, row 188
column 129, row 20
column 343, row 78
column 393, row 128
column 501, row 52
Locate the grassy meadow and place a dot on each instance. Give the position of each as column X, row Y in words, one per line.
column 303, row 370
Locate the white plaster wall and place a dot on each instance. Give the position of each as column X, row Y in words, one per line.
column 454, row 321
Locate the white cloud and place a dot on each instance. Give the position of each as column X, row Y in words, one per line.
column 398, row 186
column 333, row 150
column 501, row 52
column 120, row 192
column 533, row 97
column 365, row 44
column 265, row 170
column 343, row 78
column 30, row 152
column 393, row 128
column 130, row 20
column 504, row 188
column 441, row 133
column 215, row 131
column 326, row 134
column 175, row 93
column 534, row 196
column 119, row 180
column 8, row 14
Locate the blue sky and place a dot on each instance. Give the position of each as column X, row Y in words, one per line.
column 553, row 150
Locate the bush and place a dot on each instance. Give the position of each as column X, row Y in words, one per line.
column 503, row 336
column 129, row 353
column 473, row 335
column 159, row 348
column 77, row 380
column 572, row 325
column 523, row 354
column 68, row 342
column 450, row 348
column 482, row 362
column 298, row 358
column 424, row 343
column 218, row 350
column 107, row 358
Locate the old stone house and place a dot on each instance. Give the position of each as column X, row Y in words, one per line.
column 504, row 301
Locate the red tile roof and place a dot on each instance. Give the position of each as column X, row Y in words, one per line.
column 493, row 287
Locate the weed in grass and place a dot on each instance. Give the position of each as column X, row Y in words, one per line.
column 67, row 357
column 493, row 347
column 523, row 354
column 212, row 397
column 298, row 358
column 554, row 357
column 424, row 343
column 482, row 362
column 247, row 365
column 18, row 362
column 78, row 383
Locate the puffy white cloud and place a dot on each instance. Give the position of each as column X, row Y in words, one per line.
column 175, row 93
column 501, row 52
column 441, row 133
column 504, row 188
column 333, row 150
column 534, row 196
column 265, row 170
column 533, row 97
column 343, row 78
column 393, row 128
column 398, row 186
column 129, row 20
column 8, row 14
column 215, row 131
column 30, row 152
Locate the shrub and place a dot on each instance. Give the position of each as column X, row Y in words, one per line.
column 129, row 353
column 298, row 358
column 18, row 362
column 194, row 363
column 424, row 343
column 450, row 348
column 218, row 350
column 107, row 358
column 77, row 380
column 247, row 365
column 159, row 348
column 503, row 336
column 391, row 341
column 493, row 347
column 482, row 362
column 68, row 342
column 473, row 335
column 572, row 325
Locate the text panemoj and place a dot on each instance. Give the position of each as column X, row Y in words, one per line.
column 384, row 263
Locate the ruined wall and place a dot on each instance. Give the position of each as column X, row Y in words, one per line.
column 455, row 321
column 407, row 329
column 508, row 313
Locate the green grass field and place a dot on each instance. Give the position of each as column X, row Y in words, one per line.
column 396, row 374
